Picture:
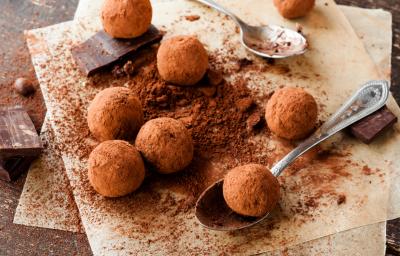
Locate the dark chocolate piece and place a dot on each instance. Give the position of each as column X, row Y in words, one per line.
column 370, row 127
column 13, row 167
column 18, row 136
column 101, row 50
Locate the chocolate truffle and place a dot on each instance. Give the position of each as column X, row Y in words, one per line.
column 115, row 113
column 292, row 9
column 126, row 18
column 291, row 113
column 182, row 60
column 166, row 144
column 115, row 168
column 251, row 190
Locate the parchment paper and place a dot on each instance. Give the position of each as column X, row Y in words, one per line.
column 105, row 236
column 364, row 230
column 46, row 200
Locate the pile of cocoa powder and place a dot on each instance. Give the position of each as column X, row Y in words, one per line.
column 220, row 115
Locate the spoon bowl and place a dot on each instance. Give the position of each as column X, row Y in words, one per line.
column 211, row 209
column 266, row 41
column 213, row 212
column 272, row 41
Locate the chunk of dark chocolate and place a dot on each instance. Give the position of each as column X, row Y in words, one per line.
column 101, row 50
column 370, row 127
column 13, row 167
column 18, row 136
column 19, row 142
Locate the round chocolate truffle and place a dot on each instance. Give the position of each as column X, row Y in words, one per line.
column 291, row 113
column 166, row 144
column 115, row 113
column 115, row 168
column 126, row 18
column 182, row 60
column 292, row 9
column 251, row 190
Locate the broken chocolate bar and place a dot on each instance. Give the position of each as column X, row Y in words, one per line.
column 12, row 168
column 101, row 50
column 370, row 127
column 18, row 136
column 19, row 142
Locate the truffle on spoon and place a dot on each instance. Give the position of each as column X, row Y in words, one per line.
column 251, row 190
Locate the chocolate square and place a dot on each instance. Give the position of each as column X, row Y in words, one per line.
column 18, row 136
column 19, row 142
column 101, row 50
column 370, row 127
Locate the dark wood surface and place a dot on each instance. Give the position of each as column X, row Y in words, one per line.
column 19, row 15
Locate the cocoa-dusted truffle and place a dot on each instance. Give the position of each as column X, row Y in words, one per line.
column 291, row 113
column 126, row 18
column 166, row 144
column 182, row 60
column 115, row 113
column 292, row 9
column 251, row 190
column 115, row 168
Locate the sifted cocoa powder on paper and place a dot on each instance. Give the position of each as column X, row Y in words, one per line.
column 224, row 137
column 221, row 119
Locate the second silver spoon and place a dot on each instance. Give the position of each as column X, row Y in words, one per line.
column 266, row 41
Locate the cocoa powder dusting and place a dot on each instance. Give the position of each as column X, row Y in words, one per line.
column 214, row 111
column 221, row 118
column 224, row 119
column 33, row 102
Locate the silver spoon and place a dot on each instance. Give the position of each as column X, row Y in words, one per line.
column 212, row 211
column 266, row 41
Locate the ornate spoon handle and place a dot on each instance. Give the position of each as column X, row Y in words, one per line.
column 368, row 99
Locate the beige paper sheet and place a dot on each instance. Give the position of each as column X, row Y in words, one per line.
column 46, row 200
column 96, row 237
column 364, row 228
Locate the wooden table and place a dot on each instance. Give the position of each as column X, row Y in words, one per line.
column 19, row 15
